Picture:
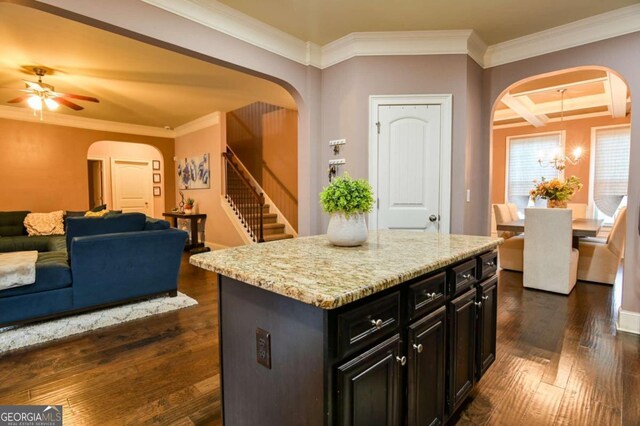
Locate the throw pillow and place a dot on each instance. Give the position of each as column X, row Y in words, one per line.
column 96, row 214
column 44, row 223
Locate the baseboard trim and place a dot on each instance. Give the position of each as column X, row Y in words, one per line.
column 628, row 321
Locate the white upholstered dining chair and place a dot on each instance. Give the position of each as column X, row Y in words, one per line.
column 599, row 261
column 579, row 210
column 510, row 252
column 550, row 261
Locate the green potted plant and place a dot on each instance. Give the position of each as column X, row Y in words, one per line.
column 347, row 200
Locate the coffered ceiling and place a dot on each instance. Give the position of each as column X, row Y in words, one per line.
column 136, row 83
column 323, row 21
column 568, row 95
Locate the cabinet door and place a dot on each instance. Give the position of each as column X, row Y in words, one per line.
column 426, row 373
column 369, row 386
column 462, row 348
column 487, row 325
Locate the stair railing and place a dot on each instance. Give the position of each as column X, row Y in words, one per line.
column 245, row 200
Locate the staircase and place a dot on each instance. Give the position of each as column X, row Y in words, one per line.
column 247, row 200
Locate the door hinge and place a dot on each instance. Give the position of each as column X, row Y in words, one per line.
column 378, row 126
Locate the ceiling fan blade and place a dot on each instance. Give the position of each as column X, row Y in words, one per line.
column 19, row 99
column 33, row 85
column 79, row 97
column 69, row 104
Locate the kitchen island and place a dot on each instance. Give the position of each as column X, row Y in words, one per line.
column 394, row 332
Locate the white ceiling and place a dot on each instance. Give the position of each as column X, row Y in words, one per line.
column 136, row 83
column 323, row 21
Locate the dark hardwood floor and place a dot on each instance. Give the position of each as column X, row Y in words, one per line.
column 560, row 361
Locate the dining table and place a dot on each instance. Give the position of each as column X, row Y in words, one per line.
column 581, row 228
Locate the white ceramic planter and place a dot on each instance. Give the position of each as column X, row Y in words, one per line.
column 347, row 231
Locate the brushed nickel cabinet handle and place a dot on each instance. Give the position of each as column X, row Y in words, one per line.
column 485, row 297
column 402, row 360
column 376, row 323
column 418, row 347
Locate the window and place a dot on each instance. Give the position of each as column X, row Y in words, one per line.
column 523, row 168
column 609, row 171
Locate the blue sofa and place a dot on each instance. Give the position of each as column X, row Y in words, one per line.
column 101, row 261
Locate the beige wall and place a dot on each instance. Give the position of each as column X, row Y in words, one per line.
column 219, row 229
column 43, row 167
column 107, row 150
column 617, row 54
column 346, row 88
column 578, row 134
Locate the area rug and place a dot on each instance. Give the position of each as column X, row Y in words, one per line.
column 12, row 338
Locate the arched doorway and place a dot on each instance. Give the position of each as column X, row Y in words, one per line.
column 126, row 176
column 571, row 122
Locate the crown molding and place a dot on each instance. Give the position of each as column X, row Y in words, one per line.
column 198, row 124
column 227, row 20
column 55, row 118
column 595, row 28
column 397, row 43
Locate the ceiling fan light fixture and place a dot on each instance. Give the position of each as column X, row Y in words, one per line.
column 35, row 102
column 51, row 104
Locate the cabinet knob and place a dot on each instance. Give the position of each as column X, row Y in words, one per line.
column 485, row 297
column 467, row 276
column 490, row 264
column 376, row 323
column 478, row 304
column 402, row 360
column 418, row 347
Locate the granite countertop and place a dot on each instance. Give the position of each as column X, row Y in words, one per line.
column 313, row 271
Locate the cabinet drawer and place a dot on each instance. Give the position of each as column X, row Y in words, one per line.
column 366, row 324
column 462, row 277
column 487, row 265
column 426, row 294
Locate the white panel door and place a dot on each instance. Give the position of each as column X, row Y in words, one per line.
column 409, row 167
column 131, row 186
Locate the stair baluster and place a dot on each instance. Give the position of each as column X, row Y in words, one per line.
column 247, row 202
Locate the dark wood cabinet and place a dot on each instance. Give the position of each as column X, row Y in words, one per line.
column 462, row 347
column 487, row 296
column 426, row 370
column 369, row 386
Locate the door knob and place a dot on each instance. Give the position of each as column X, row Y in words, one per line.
column 433, row 218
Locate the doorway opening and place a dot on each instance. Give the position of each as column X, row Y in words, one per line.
column 571, row 123
column 95, row 171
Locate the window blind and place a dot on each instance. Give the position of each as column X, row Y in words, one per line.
column 523, row 167
column 610, row 168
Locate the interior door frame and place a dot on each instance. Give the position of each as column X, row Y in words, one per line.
column 149, row 187
column 446, row 102
column 104, row 177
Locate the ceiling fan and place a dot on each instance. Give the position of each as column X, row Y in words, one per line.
column 39, row 94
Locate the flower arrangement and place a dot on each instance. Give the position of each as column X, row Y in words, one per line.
column 556, row 190
column 347, row 196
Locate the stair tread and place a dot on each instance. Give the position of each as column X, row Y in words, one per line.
column 273, row 225
column 276, row 237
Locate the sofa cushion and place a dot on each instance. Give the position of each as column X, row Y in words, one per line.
column 39, row 243
column 84, row 226
column 45, row 223
column 153, row 224
column 52, row 272
column 12, row 223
